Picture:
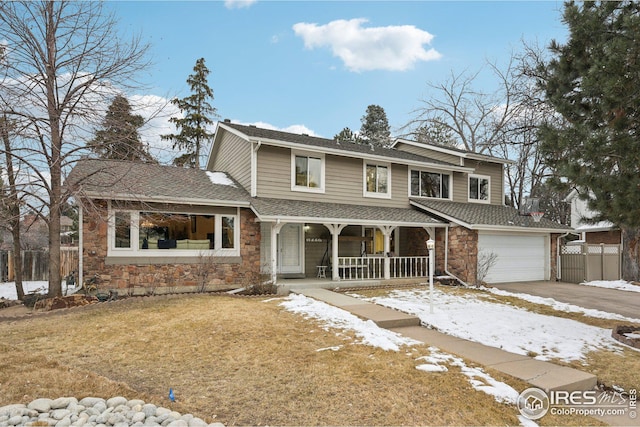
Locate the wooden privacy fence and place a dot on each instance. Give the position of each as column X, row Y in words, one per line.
column 35, row 264
column 585, row 262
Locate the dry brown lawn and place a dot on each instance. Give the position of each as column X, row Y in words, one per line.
column 239, row 361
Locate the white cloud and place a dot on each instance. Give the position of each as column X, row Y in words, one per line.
column 298, row 129
column 394, row 48
column 157, row 111
column 238, row 4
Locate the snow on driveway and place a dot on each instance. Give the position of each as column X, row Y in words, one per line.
column 620, row 285
column 563, row 306
column 500, row 325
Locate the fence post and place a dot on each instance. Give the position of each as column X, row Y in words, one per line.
column 620, row 248
column 10, row 277
column 602, row 263
column 585, row 254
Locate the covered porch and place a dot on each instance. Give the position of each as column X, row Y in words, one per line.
column 307, row 240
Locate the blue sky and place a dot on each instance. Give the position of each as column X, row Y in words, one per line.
column 316, row 66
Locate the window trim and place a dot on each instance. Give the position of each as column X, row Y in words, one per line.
column 449, row 174
column 376, row 194
column 479, row 177
column 306, row 189
column 135, row 251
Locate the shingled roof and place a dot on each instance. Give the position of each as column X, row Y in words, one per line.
column 484, row 216
column 257, row 133
column 306, row 211
column 123, row 180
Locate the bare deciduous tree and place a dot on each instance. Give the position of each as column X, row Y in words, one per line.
column 473, row 116
column 61, row 62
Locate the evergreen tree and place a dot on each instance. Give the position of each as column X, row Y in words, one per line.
column 198, row 115
column 347, row 135
column 436, row 133
column 593, row 82
column 119, row 138
column 375, row 127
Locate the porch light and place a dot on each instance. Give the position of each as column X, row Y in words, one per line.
column 431, row 245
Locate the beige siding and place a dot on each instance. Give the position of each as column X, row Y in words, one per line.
column 431, row 154
column 496, row 174
column 460, row 189
column 343, row 180
column 234, row 157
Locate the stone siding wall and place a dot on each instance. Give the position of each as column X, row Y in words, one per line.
column 147, row 275
column 463, row 253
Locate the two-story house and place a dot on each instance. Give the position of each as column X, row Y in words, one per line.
column 286, row 205
column 590, row 232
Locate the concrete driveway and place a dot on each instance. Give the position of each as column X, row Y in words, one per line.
column 610, row 300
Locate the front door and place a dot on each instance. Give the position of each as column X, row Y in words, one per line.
column 290, row 249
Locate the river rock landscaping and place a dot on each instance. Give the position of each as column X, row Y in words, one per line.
column 94, row 411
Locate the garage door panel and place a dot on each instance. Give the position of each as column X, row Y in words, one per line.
column 519, row 258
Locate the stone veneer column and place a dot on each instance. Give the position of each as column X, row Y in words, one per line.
column 463, row 253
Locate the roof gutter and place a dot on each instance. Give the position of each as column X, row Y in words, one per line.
column 162, row 199
column 358, row 155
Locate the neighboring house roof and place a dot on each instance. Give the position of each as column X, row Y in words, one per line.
column 478, row 216
column 305, row 211
column 581, row 214
column 351, row 149
column 454, row 151
column 123, row 180
column 65, row 221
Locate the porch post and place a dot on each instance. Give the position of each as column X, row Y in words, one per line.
column 275, row 230
column 335, row 230
column 386, row 232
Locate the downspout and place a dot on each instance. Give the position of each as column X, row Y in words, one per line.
column 446, row 257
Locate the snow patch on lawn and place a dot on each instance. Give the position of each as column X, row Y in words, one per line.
column 8, row 289
column 620, row 285
column 503, row 326
column 478, row 379
column 561, row 306
column 332, row 317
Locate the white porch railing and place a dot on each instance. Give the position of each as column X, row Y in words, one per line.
column 362, row 268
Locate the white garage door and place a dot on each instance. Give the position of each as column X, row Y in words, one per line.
column 519, row 258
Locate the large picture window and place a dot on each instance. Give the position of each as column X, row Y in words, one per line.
column 123, row 230
column 307, row 172
column 160, row 233
column 430, row 184
column 479, row 188
column 377, row 180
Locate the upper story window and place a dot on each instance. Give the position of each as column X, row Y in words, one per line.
column 377, row 180
column 178, row 234
column 307, row 172
column 430, row 184
column 479, row 188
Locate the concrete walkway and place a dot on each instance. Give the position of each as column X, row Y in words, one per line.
column 609, row 300
column 544, row 375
